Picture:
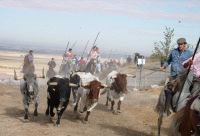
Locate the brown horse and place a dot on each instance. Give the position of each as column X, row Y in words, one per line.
column 186, row 122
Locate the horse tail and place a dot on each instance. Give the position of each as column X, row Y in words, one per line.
column 175, row 123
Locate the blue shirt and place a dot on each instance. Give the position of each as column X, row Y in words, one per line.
column 176, row 58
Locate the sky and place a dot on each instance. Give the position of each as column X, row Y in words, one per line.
column 125, row 26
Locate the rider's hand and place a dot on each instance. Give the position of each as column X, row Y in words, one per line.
column 163, row 68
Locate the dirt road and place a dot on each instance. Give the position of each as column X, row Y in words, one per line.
column 137, row 117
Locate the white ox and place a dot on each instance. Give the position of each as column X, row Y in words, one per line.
column 117, row 83
column 88, row 93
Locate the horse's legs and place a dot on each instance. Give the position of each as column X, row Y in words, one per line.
column 160, row 122
column 35, row 111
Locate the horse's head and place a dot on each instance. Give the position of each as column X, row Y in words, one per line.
column 120, row 83
column 30, row 86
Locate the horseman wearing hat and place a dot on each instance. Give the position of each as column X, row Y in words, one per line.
column 28, row 66
column 94, row 53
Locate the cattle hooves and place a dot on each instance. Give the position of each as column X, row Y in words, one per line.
column 84, row 121
column 115, row 112
column 118, row 111
column 57, row 125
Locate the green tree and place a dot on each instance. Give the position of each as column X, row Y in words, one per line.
column 162, row 48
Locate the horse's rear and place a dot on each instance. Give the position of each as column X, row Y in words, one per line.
column 186, row 122
column 91, row 66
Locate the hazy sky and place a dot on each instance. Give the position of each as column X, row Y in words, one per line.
column 127, row 25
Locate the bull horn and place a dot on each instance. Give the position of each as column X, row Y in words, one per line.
column 104, row 85
column 130, row 75
column 52, row 83
column 73, row 85
column 15, row 76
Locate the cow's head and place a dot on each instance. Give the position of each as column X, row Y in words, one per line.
column 94, row 87
column 120, row 83
column 30, row 86
column 75, row 79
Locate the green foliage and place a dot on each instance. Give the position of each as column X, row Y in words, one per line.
column 163, row 48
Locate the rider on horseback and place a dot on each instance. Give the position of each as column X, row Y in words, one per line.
column 69, row 55
column 92, row 59
column 195, row 68
column 94, row 53
column 28, row 66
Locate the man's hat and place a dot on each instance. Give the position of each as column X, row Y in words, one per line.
column 181, row 40
column 30, row 51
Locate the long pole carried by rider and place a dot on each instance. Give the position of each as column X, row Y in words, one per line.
column 74, row 45
column 93, row 44
column 85, row 48
column 65, row 50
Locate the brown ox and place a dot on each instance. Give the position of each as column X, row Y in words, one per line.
column 186, row 122
column 118, row 89
column 89, row 95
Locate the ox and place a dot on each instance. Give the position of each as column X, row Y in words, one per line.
column 29, row 89
column 59, row 90
column 117, row 83
column 75, row 79
column 88, row 93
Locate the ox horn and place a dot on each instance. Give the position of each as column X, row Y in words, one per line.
column 104, row 85
column 43, row 76
column 130, row 75
column 52, row 83
column 15, row 76
column 73, row 85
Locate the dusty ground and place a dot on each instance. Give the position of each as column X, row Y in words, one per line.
column 137, row 118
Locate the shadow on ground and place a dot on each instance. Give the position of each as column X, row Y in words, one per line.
column 123, row 131
column 18, row 114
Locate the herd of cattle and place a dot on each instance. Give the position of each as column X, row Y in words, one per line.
column 85, row 87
